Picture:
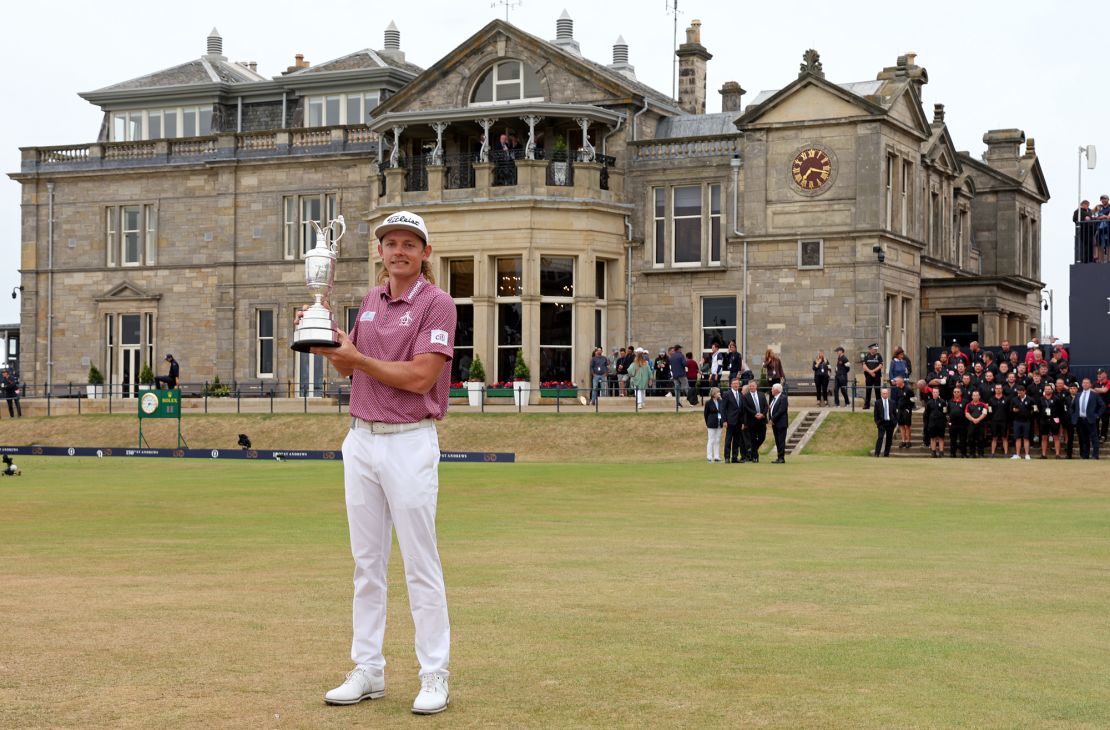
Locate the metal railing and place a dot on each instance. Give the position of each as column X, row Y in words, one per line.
column 1092, row 241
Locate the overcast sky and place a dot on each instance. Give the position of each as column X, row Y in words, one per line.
column 994, row 65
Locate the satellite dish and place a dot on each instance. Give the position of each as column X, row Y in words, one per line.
column 1091, row 157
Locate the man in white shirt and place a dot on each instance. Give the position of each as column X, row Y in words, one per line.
column 1086, row 411
column 885, row 420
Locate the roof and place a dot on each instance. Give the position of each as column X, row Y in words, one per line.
column 357, row 61
column 697, row 125
column 859, row 88
column 204, row 70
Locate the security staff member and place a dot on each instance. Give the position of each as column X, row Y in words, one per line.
column 397, row 355
column 841, row 386
column 872, row 373
column 957, row 420
column 171, row 379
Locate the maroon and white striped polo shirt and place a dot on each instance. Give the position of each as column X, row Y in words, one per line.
column 421, row 320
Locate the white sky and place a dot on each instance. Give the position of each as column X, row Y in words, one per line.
column 994, row 65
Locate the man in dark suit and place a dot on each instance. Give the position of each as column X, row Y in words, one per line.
column 732, row 408
column 1086, row 409
column 886, row 417
column 755, row 420
column 778, row 415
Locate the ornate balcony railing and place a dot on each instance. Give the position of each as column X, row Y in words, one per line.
column 685, row 148
column 459, row 173
column 252, row 145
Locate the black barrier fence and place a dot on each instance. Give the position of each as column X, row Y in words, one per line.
column 488, row 457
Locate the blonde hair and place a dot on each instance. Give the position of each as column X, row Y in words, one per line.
column 425, row 271
column 714, row 392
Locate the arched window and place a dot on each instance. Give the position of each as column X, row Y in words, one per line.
column 507, row 82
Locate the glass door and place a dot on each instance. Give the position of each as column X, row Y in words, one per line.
column 130, row 354
column 310, row 375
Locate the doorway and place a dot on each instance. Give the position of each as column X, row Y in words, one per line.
column 310, row 375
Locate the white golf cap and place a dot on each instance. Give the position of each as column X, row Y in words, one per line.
column 402, row 220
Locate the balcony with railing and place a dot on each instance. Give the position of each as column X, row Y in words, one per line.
column 191, row 150
column 461, row 177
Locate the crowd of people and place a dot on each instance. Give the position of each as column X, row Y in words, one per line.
column 631, row 371
column 985, row 404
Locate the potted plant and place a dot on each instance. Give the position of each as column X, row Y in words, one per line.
column 521, row 378
column 476, row 381
column 559, row 163
column 96, row 382
column 146, row 378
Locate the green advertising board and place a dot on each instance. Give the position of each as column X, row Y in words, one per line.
column 160, row 404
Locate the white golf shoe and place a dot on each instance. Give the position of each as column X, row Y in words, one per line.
column 433, row 696
column 359, row 685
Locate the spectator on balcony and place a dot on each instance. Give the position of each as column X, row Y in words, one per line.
column 1084, row 232
column 502, row 157
column 1102, row 237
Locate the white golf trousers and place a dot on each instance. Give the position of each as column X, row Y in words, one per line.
column 713, row 444
column 392, row 481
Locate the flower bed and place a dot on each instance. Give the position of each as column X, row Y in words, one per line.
column 558, row 389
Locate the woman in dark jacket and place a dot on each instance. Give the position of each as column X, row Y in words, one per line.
column 1053, row 412
column 714, row 419
column 821, row 378
column 772, row 365
column 936, row 420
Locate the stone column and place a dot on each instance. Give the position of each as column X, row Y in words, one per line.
column 483, row 177
column 990, row 328
column 531, row 176
column 394, row 185
column 435, row 182
column 587, row 179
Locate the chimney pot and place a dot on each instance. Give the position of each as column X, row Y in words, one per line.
column 730, row 96
column 392, row 37
column 620, row 51
column 215, row 43
column 938, row 113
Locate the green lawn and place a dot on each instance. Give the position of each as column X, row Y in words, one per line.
column 827, row 593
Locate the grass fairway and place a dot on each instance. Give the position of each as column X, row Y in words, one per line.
column 830, row 593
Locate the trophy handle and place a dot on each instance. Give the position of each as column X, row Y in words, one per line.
column 342, row 231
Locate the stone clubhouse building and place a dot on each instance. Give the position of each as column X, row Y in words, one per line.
column 570, row 206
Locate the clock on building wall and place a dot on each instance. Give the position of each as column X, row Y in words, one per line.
column 812, row 169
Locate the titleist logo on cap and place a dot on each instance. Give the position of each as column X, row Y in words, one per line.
column 401, row 218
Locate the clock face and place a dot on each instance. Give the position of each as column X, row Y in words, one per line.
column 811, row 169
column 149, row 403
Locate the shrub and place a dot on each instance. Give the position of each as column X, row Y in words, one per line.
column 477, row 372
column 95, row 376
column 520, row 369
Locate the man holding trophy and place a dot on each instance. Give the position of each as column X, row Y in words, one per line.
column 397, row 356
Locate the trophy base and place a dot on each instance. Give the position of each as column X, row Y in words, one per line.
column 306, row 345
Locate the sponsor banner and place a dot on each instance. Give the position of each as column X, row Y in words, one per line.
column 257, row 454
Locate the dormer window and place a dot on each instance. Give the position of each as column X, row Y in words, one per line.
column 508, row 82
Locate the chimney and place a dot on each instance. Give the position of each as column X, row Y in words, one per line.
column 730, row 96
column 1004, row 149
column 938, row 115
column 620, row 59
column 392, row 50
column 298, row 64
column 252, row 65
column 906, row 68
column 1030, row 148
column 564, row 34
column 692, row 58
column 215, row 46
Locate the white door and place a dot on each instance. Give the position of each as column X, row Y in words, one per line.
column 310, row 375
column 130, row 355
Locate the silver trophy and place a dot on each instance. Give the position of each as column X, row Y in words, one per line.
column 317, row 326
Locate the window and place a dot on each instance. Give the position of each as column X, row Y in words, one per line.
column 890, row 192
column 336, row 109
column 660, row 226
column 904, row 220
column 298, row 212
column 460, row 285
column 148, row 325
column 718, row 322
column 265, row 354
column 687, row 225
column 351, row 319
column 599, row 279
column 694, row 218
column 905, row 322
column 509, row 320
column 556, row 318
column 142, row 124
column 507, row 82
column 131, row 235
column 888, row 323
column 109, row 344
column 811, row 254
